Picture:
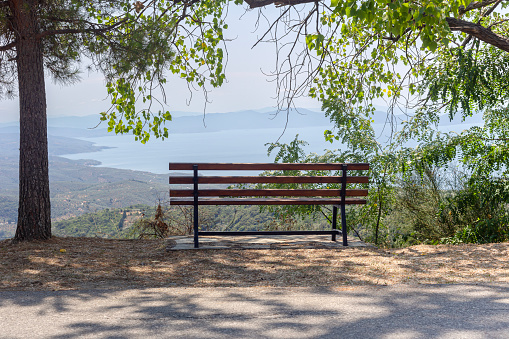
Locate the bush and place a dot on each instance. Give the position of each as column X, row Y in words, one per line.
column 479, row 212
column 151, row 228
column 421, row 199
column 472, row 211
column 173, row 220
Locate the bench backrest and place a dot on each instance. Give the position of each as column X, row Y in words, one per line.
column 279, row 196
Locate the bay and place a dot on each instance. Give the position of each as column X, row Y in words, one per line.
column 232, row 145
column 242, row 145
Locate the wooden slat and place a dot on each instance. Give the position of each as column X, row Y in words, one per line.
column 266, row 201
column 182, row 180
column 268, row 193
column 244, row 233
column 264, row 166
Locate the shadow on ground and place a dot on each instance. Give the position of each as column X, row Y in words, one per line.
column 402, row 311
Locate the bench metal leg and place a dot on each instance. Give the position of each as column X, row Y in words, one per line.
column 195, row 217
column 195, row 228
column 334, row 221
column 343, row 225
column 344, row 168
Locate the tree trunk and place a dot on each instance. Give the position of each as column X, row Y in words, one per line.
column 34, row 210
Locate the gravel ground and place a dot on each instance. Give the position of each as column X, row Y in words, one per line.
column 88, row 263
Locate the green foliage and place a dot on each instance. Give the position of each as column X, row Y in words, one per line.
column 415, row 196
column 421, row 59
column 102, row 224
column 479, row 212
column 183, row 39
column 396, row 18
column 471, row 80
column 135, row 45
column 421, row 197
column 414, row 56
column 405, row 53
column 142, row 221
column 368, row 220
column 437, row 207
column 120, row 225
column 407, row 50
column 482, row 150
column 294, row 153
column 288, row 153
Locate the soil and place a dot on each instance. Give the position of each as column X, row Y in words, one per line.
column 89, row 263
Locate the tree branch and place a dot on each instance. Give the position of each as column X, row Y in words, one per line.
column 73, row 31
column 475, row 5
column 485, row 14
column 8, row 46
column 260, row 3
column 396, row 38
column 480, row 32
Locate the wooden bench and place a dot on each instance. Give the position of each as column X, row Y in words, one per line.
column 196, row 196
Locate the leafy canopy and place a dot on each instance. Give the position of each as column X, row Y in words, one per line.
column 135, row 46
column 424, row 59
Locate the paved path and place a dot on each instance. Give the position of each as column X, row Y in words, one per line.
column 444, row 311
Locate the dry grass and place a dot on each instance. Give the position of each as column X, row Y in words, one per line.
column 99, row 263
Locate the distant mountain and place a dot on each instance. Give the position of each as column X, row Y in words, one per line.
column 75, row 130
column 214, row 122
column 79, row 186
column 458, row 120
column 83, row 122
column 194, row 122
column 88, row 126
column 300, row 118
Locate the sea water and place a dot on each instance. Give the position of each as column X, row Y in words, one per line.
column 241, row 145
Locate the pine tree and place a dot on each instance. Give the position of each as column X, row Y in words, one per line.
column 133, row 45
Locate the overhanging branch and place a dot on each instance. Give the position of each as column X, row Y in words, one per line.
column 485, row 14
column 260, row 3
column 475, row 5
column 480, row 32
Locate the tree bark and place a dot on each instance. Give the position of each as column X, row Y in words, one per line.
column 34, row 210
column 479, row 32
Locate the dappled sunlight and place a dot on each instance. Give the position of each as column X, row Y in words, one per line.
column 401, row 311
column 102, row 263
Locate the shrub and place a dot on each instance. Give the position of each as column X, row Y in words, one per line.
column 479, row 211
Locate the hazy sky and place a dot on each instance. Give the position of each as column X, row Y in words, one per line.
column 247, row 86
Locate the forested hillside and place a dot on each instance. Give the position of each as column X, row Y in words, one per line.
column 122, row 222
column 76, row 186
column 89, row 195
